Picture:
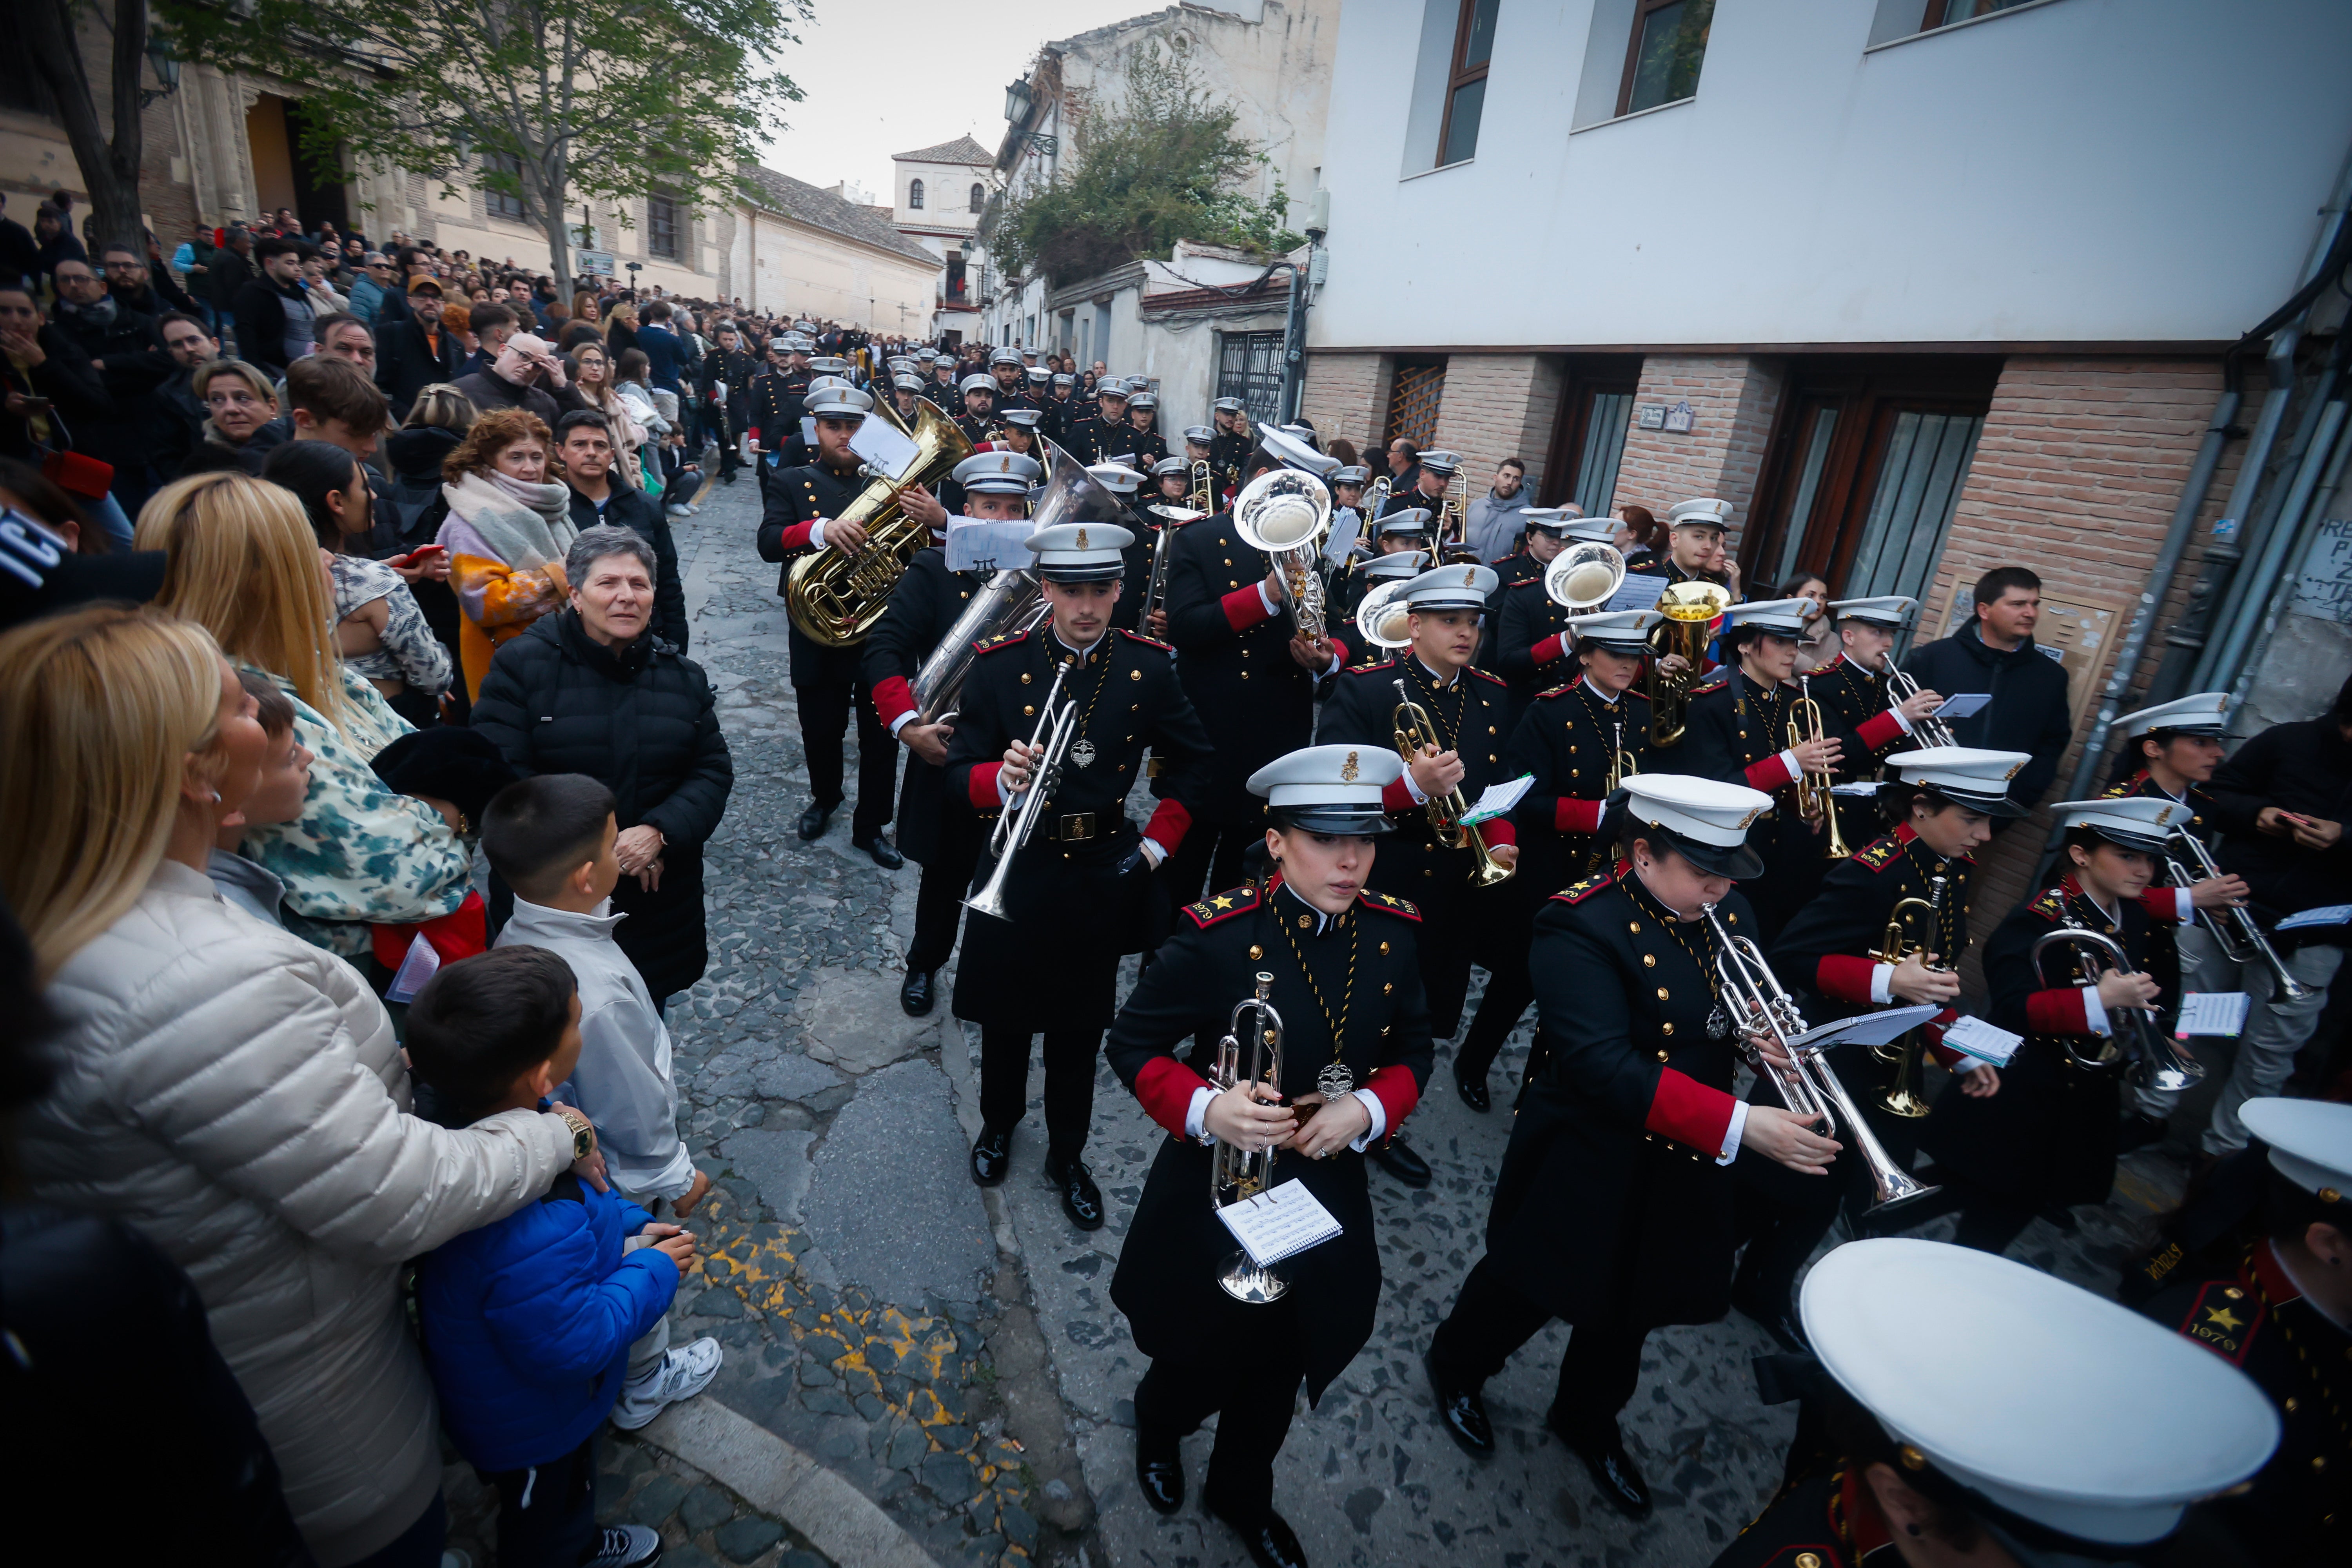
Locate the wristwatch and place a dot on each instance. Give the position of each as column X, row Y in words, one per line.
column 583, row 1132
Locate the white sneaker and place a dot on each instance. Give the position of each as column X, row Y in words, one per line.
column 684, row 1372
column 626, row 1546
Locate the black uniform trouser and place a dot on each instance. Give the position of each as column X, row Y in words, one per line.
column 1253, row 1398
column 939, row 899
column 825, row 724
column 1069, row 1082
column 1598, row 1374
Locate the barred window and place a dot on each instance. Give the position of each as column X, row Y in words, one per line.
column 661, row 227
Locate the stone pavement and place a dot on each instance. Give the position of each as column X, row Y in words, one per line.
column 953, row 1353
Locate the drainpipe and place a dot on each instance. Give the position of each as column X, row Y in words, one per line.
column 2274, row 585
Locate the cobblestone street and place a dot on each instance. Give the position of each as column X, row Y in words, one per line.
column 951, row 1355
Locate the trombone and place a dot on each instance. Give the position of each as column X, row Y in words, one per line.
column 2249, row 946
column 1813, row 797
column 1202, row 497
column 1927, row 729
column 1807, row 1086
column 1155, row 588
column 1414, row 731
column 1058, row 727
column 1903, row 1097
column 1242, row 1173
column 2153, row 1058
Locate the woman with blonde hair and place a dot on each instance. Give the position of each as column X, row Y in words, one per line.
column 593, row 378
column 508, row 530
column 241, row 562
column 230, row 1090
column 241, row 410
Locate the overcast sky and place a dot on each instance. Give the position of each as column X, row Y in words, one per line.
column 891, row 77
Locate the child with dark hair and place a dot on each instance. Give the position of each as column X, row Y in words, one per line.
column 551, row 838
column 528, row 1321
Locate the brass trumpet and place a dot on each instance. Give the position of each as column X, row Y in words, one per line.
column 1903, row 1097
column 1414, row 731
column 2147, row 1051
column 1244, row 1174
column 1813, row 797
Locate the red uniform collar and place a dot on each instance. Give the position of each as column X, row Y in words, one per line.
column 1863, row 1530
column 2261, row 1266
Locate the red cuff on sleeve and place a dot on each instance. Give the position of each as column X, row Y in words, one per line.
column 1397, row 797
column 1846, row 977
column 1547, row 650
column 1499, row 830
column 1244, row 608
column 1574, row 816
column 983, row 788
column 1339, row 647
column 797, row 536
column 1164, row 1088
column 1943, row 1053
column 2163, row 904
column 1883, row 730
column 892, row 697
column 752, row 432
column 1169, row 825
column 1394, row 1088
column 2057, row 1012
column 1689, row 1113
column 1769, row 774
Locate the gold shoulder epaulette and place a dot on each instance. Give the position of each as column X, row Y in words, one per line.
column 1388, row 903
column 1222, row 906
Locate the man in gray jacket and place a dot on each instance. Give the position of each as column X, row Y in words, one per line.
column 1495, row 524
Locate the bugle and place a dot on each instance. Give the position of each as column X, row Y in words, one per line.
column 2145, row 1051
column 1927, row 729
column 1236, row 1174
column 1414, row 731
column 1057, row 725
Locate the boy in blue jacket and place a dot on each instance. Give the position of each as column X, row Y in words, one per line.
column 528, row 1321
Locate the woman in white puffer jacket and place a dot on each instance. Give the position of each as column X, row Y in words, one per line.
column 231, row 1091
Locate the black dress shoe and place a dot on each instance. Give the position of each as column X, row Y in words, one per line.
column 991, row 1155
column 1461, row 1409
column 2138, row 1131
column 813, row 820
column 1473, row 1091
column 916, row 993
column 1270, row 1541
column 886, row 854
column 1159, row 1472
column 1613, row 1472
column 1397, row 1158
column 1776, row 1319
column 1081, row 1199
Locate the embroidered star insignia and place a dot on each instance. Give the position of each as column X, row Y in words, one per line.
column 2222, row 1318
column 1222, row 901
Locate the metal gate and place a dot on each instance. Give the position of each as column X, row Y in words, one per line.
column 1412, row 403
column 1249, row 366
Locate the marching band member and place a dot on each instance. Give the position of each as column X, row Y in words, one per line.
column 1355, row 1055
column 1852, row 687
column 1249, row 672
column 1019, row 431
column 1940, row 806
column 1108, row 433
column 2048, row 1140
column 1144, row 445
column 1529, row 623
column 1695, row 546
column 1229, row 449
column 906, row 391
column 1738, row 732
column 1172, row 480
column 1080, row 893
column 1005, row 370
column 1061, row 408
column 1428, row 489
column 1465, row 706
column 2084, row 1440
column 979, row 416
column 800, row 514
column 923, row 607
column 2281, row 1313
column 1614, row 1210
column 1126, row 484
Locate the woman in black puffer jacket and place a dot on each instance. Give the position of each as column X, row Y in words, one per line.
column 590, row 689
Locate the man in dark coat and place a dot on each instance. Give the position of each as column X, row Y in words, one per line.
column 274, row 316
column 230, row 269
column 525, row 375
column 590, row 689
column 132, row 360
column 414, row 350
column 1996, row 654
column 583, row 447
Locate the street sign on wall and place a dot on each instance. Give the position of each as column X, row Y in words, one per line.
column 595, row 263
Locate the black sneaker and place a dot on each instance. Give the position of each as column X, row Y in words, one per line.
column 626, row 1546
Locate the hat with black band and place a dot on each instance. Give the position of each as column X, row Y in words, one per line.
column 1704, row 821
column 1330, row 789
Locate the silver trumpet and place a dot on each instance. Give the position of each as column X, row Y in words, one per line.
column 2148, row 1052
column 1929, row 731
column 2249, row 946
column 1807, row 1086
column 1058, row 727
column 1236, row 1174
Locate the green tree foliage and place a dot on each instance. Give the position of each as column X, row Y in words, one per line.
column 1165, row 165
column 560, row 102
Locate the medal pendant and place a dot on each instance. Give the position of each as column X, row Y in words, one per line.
column 1082, row 754
column 1335, row 1081
column 1718, row 1024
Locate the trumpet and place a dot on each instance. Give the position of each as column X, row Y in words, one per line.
column 1690, row 608
column 1813, row 797
column 1414, row 731
column 2249, row 946
column 1584, row 576
column 1621, row 762
column 2148, row 1051
column 1244, row 1174
column 1903, row 1097
column 1807, row 1086
column 1288, row 514
column 1929, row 730
column 1057, row 726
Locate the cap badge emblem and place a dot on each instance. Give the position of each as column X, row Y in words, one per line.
column 1082, row 539
column 1348, row 769
column 2013, row 769
column 1745, row 820
column 1470, row 576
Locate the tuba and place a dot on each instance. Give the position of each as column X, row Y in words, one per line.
column 1691, row 610
column 1238, row 1174
column 2153, row 1058
column 1903, row 1097
column 1584, row 576
column 835, row 596
column 1416, row 729
column 1288, row 514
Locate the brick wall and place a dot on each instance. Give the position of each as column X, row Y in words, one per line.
column 1347, row 395
column 1497, row 406
column 1732, row 400
column 2080, row 466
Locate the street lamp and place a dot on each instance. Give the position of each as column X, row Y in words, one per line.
column 165, row 64
column 1017, row 100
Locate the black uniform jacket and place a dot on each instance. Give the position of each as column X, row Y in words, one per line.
column 1229, row 452
column 979, row 427
column 1531, row 648
column 922, row 607
column 1818, row 1521
column 1468, row 714
column 1855, row 708
column 1567, row 738
column 1053, row 964
column 1827, row 949
column 1234, row 661
column 777, row 397
column 2049, row 1137
column 1144, row 448
column 1611, row 1207
column 1735, row 732
column 796, row 498
column 1166, row 1282
column 2299, row 1509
